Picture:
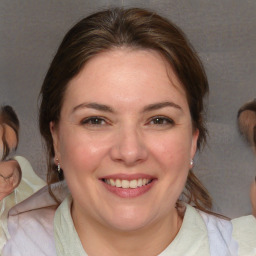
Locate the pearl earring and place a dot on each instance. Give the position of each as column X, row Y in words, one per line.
column 58, row 165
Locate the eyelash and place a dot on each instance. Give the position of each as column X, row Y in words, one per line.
column 100, row 121
column 94, row 121
column 163, row 120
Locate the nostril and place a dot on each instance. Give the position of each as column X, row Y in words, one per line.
column 129, row 150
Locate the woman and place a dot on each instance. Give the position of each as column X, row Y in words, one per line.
column 17, row 178
column 122, row 116
column 247, row 126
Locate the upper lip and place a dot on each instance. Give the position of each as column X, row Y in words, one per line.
column 129, row 177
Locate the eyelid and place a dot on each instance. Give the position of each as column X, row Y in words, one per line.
column 85, row 121
column 169, row 120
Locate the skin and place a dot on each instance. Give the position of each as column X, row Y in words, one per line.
column 111, row 123
column 10, row 174
column 10, row 136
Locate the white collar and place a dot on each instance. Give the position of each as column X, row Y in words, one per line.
column 192, row 239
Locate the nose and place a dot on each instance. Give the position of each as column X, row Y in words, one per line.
column 129, row 147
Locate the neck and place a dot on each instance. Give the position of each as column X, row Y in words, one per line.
column 150, row 240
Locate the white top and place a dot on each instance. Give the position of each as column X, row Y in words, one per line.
column 201, row 234
column 191, row 240
column 29, row 184
column 34, row 232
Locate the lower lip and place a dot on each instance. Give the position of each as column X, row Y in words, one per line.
column 129, row 192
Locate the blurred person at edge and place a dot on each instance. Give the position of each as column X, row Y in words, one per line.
column 17, row 178
column 9, row 138
column 122, row 116
column 247, row 126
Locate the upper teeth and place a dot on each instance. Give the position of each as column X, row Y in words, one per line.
column 126, row 183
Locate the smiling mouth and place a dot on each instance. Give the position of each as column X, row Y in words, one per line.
column 119, row 183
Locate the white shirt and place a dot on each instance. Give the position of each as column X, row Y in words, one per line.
column 45, row 231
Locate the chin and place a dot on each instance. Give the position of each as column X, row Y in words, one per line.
column 128, row 225
column 129, row 220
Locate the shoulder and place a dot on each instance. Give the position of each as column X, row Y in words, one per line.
column 29, row 183
column 220, row 235
column 31, row 233
column 28, row 175
column 237, row 235
column 30, row 225
column 244, row 232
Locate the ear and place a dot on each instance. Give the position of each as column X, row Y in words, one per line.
column 194, row 143
column 55, row 139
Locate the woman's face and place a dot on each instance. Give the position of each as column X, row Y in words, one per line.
column 125, row 139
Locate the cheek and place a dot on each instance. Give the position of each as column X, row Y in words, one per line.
column 80, row 153
column 173, row 157
column 173, row 151
column 80, row 160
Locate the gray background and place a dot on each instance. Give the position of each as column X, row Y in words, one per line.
column 223, row 33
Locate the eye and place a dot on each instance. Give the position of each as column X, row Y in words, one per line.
column 160, row 120
column 94, row 121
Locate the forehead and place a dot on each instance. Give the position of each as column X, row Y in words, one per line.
column 127, row 74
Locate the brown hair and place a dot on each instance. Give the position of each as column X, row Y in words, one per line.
column 133, row 28
column 8, row 117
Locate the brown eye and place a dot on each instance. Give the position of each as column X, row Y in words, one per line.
column 159, row 120
column 94, row 121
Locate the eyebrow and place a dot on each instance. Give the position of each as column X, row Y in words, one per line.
column 94, row 105
column 105, row 108
column 160, row 105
